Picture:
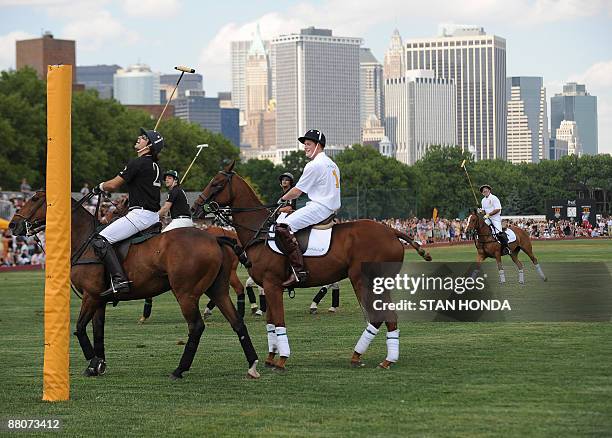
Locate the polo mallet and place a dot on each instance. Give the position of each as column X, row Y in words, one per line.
column 200, row 147
column 183, row 70
column 470, row 180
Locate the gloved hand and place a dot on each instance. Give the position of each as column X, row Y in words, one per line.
column 97, row 189
column 486, row 216
column 281, row 201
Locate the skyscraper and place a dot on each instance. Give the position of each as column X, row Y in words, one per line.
column 420, row 111
column 371, row 86
column 257, row 77
column 317, row 87
column 136, row 85
column 39, row 53
column 576, row 104
column 476, row 62
column 239, row 53
column 394, row 65
column 527, row 120
column 190, row 81
column 568, row 132
column 97, row 77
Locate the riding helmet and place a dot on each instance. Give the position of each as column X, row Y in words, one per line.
column 155, row 139
column 314, row 135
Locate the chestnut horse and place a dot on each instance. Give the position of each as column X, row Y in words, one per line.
column 488, row 246
column 154, row 266
column 352, row 244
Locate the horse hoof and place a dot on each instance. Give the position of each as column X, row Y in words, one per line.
column 252, row 374
column 269, row 364
column 357, row 364
column 90, row 372
column 385, row 365
column 142, row 320
column 313, row 311
column 280, row 370
column 174, row 376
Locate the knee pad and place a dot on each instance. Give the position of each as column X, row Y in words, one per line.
column 100, row 245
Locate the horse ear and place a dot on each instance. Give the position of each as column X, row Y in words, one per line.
column 230, row 166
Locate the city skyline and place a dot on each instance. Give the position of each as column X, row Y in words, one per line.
column 561, row 41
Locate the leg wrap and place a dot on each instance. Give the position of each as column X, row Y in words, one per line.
column 393, row 345
column 502, row 276
column 211, row 305
column 335, row 297
column 272, row 341
column 84, row 342
column 521, row 276
column 240, row 303
column 540, row 272
column 246, row 344
column 366, row 337
column 148, row 306
column 251, row 294
column 191, row 347
column 319, row 296
column 263, row 306
column 283, row 342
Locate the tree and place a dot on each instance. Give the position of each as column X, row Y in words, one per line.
column 294, row 162
column 265, row 176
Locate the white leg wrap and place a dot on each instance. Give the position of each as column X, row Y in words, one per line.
column 521, row 276
column 366, row 337
column 272, row 340
column 502, row 276
column 540, row 272
column 283, row 342
column 393, row 345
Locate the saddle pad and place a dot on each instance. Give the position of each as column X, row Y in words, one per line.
column 318, row 242
column 511, row 235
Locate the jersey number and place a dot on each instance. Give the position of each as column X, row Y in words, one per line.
column 156, row 181
column 336, row 176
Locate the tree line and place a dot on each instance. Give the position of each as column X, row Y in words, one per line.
column 103, row 132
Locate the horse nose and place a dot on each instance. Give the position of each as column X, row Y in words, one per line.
column 12, row 225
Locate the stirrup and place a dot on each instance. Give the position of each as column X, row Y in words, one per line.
column 122, row 287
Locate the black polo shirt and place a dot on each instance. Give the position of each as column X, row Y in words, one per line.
column 144, row 185
column 180, row 207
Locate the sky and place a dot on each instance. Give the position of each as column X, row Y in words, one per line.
column 560, row 40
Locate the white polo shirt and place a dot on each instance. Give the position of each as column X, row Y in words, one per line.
column 491, row 203
column 321, row 181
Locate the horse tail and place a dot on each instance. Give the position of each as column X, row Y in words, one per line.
column 238, row 250
column 417, row 247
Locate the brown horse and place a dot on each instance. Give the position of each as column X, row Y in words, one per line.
column 121, row 209
column 488, row 246
column 154, row 266
column 352, row 244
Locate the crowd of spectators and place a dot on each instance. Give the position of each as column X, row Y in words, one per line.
column 453, row 230
column 16, row 250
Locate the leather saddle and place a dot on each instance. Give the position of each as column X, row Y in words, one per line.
column 122, row 248
column 303, row 236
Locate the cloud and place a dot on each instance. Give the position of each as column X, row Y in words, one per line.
column 151, row 8
column 7, row 47
column 94, row 32
column 214, row 59
column 598, row 76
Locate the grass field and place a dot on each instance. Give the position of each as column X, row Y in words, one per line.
column 453, row 379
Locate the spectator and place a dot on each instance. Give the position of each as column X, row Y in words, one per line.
column 25, row 187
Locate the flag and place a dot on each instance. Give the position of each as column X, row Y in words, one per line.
column 435, row 214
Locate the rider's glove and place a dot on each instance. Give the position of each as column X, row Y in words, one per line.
column 281, row 201
column 97, row 189
column 486, row 216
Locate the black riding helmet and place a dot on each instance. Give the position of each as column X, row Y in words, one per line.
column 173, row 173
column 156, row 140
column 286, row 175
column 314, row 135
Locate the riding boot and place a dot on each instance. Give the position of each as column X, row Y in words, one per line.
column 296, row 260
column 503, row 240
column 106, row 253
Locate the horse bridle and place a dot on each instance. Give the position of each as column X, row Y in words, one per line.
column 476, row 234
column 37, row 225
column 208, row 205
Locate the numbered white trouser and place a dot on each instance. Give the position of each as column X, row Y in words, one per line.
column 312, row 213
column 178, row 223
column 130, row 224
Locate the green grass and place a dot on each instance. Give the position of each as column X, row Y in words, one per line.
column 459, row 379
